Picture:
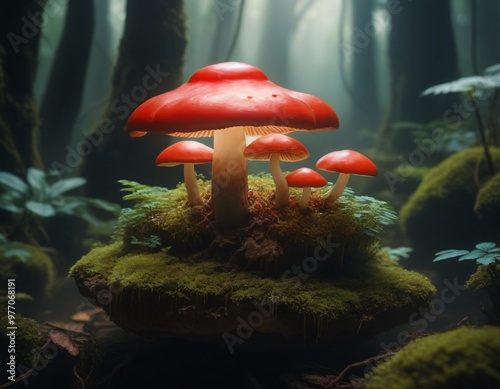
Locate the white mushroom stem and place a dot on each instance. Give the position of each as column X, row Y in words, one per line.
column 282, row 191
column 191, row 185
column 304, row 200
column 338, row 188
column 229, row 178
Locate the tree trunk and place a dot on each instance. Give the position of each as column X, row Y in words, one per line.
column 149, row 63
column 421, row 54
column 20, row 23
column 64, row 90
column 364, row 113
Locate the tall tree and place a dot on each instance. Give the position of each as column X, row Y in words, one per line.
column 361, row 58
column 149, row 63
column 20, row 23
column 64, row 90
column 422, row 53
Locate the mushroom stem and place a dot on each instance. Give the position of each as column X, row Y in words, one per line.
column 229, row 178
column 338, row 188
column 191, row 185
column 304, row 200
column 282, row 191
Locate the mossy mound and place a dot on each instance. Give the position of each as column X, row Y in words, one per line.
column 160, row 294
column 463, row 358
column 28, row 339
column 440, row 214
column 30, row 266
column 273, row 239
column 488, row 200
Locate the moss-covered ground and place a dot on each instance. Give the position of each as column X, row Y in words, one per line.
column 441, row 213
column 319, row 272
column 463, row 358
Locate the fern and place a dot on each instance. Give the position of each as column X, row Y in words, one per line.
column 484, row 254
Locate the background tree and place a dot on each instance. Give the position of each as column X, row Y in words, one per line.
column 149, row 63
column 361, row 83
column 420, row 55
column 20, row 23
column 64, row 90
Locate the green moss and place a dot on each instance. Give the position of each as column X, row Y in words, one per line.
column 484, row 277
column 154, row 285
column 487, row 204
column 441, row 211
column 285, row 234
column 28, row 338
column 463, row 358
column 33, row 269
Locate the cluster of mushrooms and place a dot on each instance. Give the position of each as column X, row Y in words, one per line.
column 229, row 101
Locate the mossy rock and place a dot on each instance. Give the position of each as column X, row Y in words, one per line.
column 319, row 271
column 440, row 214
column 274, row 238
column 159, row 294
column 28, row 339
column 463, row 358
column 487, row 204
column 30, row 266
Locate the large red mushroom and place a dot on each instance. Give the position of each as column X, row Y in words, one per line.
column 228, row 101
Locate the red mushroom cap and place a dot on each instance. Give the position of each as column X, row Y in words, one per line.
column 305, row 178
column 289, row 149
column 348, row 162
column 226, row 95
column 186, row 151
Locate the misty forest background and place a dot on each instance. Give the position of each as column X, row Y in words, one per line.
column 369, row 59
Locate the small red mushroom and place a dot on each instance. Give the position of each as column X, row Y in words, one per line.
column 275, row 148
column 306, row 179
column 345, row 162
column 228, row 101
column 189, row 153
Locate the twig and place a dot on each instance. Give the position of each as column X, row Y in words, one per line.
column 482, row 136
column 344, row 372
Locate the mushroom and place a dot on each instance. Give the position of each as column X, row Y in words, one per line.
column 189, row 153
column 345, row 162
column 275, row 148
column 228, row 101
column 306, row 179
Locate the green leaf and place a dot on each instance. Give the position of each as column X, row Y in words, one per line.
column 10, row 207
column 486, row 246
column 66, row 185
column 13, row 182
column 488, row 258
column 36, row 179
column 20, row 254
column 41, row 209
column 446, row 254
column 475, row 254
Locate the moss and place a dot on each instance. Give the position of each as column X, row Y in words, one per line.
column 28, row 338
column 441, row 212
column 462, row 358
column 485, row 277
column 273, row 239
column 34, row 274
column 487, row 204
column 154, row 287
